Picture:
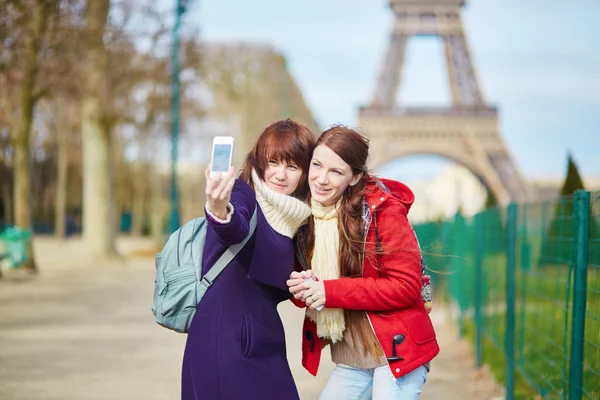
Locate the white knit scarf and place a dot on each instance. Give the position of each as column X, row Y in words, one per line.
column 325, row 265
column 284, row 213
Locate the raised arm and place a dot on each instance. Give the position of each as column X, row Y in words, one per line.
column 229, row 208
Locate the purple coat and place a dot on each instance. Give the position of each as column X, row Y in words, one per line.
column 236, row 344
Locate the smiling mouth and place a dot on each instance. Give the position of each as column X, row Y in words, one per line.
column 320, row 189
column 278, row 185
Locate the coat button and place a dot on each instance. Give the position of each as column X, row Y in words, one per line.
column 382, row 199
column 397, row 370
column 373, row 206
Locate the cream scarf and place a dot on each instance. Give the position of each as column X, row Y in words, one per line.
column 325, row 265
column 284, row 213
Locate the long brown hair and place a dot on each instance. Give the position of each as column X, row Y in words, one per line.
column 284, row 141
column 353, row 148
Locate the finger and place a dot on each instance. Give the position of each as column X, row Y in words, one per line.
column 296, row 275
column 210, row 183
column 309, row 274
column 311, row 290
column 298, row 296
column 221, row 189
column 217, row 189
column 295, row 288
column 230, row 175
column 309, row 284
column 231, row 172
column 224, row 178
column 317, row 304
column 295, row 282
column 216, row 179
column 228, row 188
column 306, row 294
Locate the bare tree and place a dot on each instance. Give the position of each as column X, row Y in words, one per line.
column 63, row 120
column 5, row 175
column 6, row 185
column 150, row 105
column 252, row 82
column 98, row 231
column 29, row 23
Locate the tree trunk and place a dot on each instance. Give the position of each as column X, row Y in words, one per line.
column 22, row 171
column 61, row 182
column 7, row 201
column 157, row 215
column 27, row 100
column 139, row 200
column 98, row 222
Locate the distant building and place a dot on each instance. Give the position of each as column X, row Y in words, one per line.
column 549, row 188
column 456, row 187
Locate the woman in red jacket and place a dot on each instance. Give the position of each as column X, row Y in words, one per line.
column 365, row 260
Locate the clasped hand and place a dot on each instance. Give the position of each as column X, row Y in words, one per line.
column 310, row 292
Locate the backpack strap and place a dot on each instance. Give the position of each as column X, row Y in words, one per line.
column 229, row 254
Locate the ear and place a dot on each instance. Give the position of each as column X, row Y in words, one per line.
column 356, row 179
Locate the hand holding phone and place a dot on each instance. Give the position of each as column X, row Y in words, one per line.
column 220, row 176
column 218, row 192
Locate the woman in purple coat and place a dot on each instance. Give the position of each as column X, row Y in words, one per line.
column 236, row 344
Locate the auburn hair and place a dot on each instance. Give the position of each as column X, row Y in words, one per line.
column 283, row 141
column 353, row 148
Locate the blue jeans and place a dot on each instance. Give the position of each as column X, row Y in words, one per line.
column 349, row 383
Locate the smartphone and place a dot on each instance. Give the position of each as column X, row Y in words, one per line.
column 222, row 154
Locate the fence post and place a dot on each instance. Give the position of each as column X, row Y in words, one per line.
column 479, row 241
column 525, row 266
column 458, row 243
column 509, row 342
column 582, row 215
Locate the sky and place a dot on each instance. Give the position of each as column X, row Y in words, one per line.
column 537, row 60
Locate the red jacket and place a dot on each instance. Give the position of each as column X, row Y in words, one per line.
column 391, row 295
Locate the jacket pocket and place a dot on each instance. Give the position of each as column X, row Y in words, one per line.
column 260, row 339
column 246, row 335
column 419, row 326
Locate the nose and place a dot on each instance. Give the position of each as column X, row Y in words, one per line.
column 280, row 173
column 322, row 178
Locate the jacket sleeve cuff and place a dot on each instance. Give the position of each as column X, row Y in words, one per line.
column 330, row 300
column 230, row 210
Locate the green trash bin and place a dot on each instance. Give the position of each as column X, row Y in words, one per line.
column 13, row 247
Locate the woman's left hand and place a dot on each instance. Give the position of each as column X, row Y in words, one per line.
column 314, row 294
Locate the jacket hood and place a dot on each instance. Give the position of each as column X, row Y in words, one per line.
column 397, row 190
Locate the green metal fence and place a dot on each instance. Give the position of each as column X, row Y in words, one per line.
column 524, row 282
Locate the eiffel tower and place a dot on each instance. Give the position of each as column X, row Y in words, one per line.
column 466, row 132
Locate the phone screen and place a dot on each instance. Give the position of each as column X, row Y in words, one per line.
column 220, row 159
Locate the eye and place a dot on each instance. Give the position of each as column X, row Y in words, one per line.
column 335, row 171
column 315, row 164
column 273, row 162
column 292, row 167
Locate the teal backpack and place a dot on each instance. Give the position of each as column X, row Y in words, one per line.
column 179, row 285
